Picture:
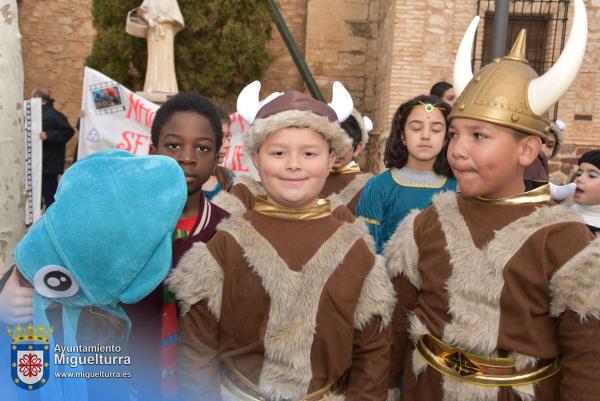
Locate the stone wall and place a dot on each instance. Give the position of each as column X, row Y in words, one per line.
column 384, row 51
column 282, row 74
column 57, row 37
column 427, row 35
column 338, row 49
column 582, row 101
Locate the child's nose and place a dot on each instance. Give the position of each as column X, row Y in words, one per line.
column 294, row 162
column 457, row 149
column 187, row 156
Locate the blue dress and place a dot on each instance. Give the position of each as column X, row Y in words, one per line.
column 386, row 200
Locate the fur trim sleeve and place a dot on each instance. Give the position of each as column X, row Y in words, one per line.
column 253, row 185
column 197, row 277
column 361, row 224
column 346, row 195
column 576, row 286
column 377, row 297
column 402, row 252
column 229, row 203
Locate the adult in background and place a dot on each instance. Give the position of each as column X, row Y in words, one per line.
column 444, row 91
column 56, row 132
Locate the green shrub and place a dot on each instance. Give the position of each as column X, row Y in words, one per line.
column 222, row 48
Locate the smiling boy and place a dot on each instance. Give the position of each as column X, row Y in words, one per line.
column 497, row 286
column 286, row 302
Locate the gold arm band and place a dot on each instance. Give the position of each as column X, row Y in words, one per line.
column 477, row 369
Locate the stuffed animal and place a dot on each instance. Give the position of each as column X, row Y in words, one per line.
column 106, row 240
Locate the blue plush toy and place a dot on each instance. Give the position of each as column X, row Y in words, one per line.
column 105, row 240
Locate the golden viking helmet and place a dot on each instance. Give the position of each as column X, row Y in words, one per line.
column 508, row 92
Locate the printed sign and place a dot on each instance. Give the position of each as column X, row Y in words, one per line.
column 113, row 117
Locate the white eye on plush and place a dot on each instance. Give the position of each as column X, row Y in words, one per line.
column 55, row 281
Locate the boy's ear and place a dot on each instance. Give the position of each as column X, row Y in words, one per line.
column 529, row 148
column 152, row 149
column 254, row 158
column 332, row 157
column 359, row 148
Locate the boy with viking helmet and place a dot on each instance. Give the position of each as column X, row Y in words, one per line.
column 286, row 302
column 498, row 287
column 241, row 197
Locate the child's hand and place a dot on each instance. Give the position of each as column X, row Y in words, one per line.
column 16, row 301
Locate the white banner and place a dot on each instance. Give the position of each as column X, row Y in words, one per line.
column 113, row 117
column 33, row 160
column 236, row 158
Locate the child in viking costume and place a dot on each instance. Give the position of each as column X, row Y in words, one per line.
column 497, row 288
column 242, row 195
column 587, row 192
column 286, row 302
column 346, row 181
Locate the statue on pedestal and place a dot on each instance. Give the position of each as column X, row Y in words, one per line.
column 158, row 21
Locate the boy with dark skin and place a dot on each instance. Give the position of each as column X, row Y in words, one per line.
column 186, row 128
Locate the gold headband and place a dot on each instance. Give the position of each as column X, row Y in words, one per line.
column 429, row 108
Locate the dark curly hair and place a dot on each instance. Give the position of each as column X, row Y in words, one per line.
column 188, row 102
column 396, row 152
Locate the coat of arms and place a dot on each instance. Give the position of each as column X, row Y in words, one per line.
column 30, row 356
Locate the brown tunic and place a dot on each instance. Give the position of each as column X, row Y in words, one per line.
column 516, row 280
column 347, row 187
column 292, row 312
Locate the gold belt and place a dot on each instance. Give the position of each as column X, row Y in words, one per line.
column 234, row 382
column 480, row 370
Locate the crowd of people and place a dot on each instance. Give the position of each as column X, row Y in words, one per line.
column 452, row 275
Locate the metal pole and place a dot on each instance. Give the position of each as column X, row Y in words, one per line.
column 295, row 52
column 500, row 28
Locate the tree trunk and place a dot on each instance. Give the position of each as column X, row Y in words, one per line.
column 12, row 142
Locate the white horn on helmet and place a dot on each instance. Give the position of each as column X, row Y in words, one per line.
column 368, row 124
column 341, row 102
column 272, row 96
column 463, row 72
column 248, row 102
column 544, row 91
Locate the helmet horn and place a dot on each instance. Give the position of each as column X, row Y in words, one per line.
column 341, row 101
column 463, row 72
column 248, row 102
column 544, row 91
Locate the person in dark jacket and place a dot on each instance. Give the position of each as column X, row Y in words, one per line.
column 56, row 132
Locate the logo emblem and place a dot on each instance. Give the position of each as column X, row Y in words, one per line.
column 30, row 356
column 93, row 135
